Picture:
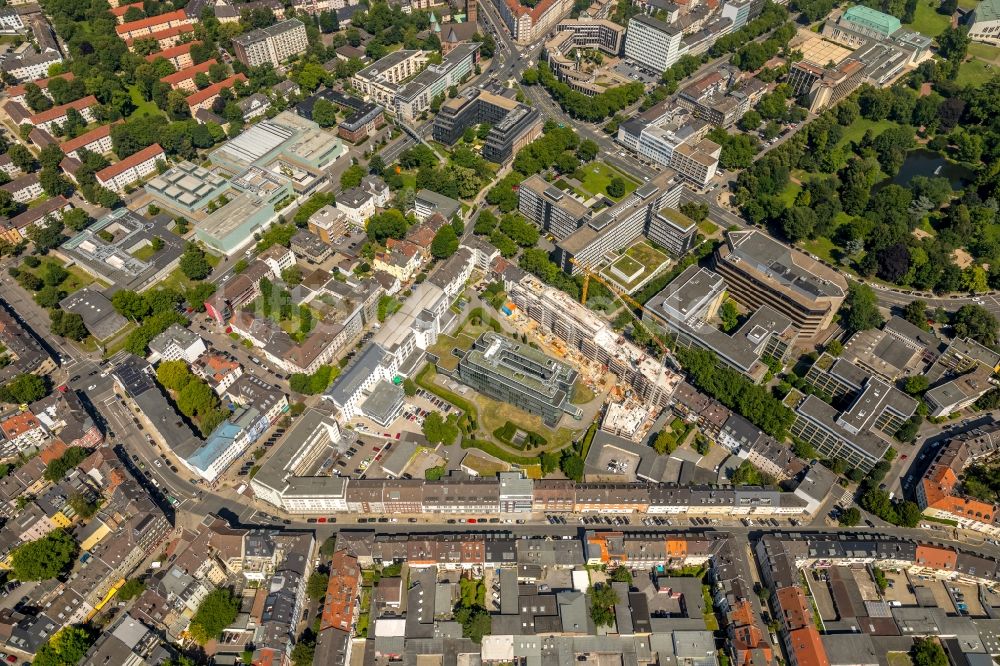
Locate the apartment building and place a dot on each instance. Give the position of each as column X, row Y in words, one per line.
column 16, row 93
column 528, row 24
column 761, row 271
column 96, row 141
column 131, row 169
column 184, row 79
column 204, row 98
column 179, row 56
column 22, row 431
column 416, row 96
column 652, row 44
column 652, row 381
column 512, row 125
column 28, row 65
column 274, row 44
column 165, row 39
column 57, row 114
column 176, row 344
column 24, row 188
column 225, row 445
column 147, row 27
column 381, row 80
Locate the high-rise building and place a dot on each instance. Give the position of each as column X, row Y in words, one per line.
column 652, row 43
column 761, row 271
column 273, row 44
column 549, row 207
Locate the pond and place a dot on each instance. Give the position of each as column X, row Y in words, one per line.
column 928, row 163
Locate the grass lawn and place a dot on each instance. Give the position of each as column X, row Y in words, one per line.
column 790, row 192
column 144, row 253
column 640, row 260
column 409, row 179
column 899, row 659
column 708, row 227
column 582, row 394
column 485, row 467
column 597, row 177
column 462, row 340
column 857, row 129
column 142, row 107
column 821, row 247
column 974, row 72
column 927, row 21
column 493, row 414
column 76, row 280
column 968, row 5
column 985, row 52
column 177, row 280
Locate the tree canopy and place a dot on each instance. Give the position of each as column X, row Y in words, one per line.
column 44, row 558
column 216, row 612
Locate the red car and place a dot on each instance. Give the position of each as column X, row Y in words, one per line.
column 472, row 520
column 321, row 520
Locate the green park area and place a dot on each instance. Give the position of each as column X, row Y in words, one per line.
column 981, row 65
column 926, row 19
column 75, row 279
column 598, row 175
column 142, row 107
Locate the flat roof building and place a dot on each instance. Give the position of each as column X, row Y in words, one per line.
column 759, row 270
column 520, row 375
column 273, row 44
column 187, row 187
column 99, row 315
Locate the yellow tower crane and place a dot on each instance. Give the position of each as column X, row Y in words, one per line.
column 630, row 303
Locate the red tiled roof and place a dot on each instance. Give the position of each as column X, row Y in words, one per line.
column 110, row 172
column 87, row 137
column 172, row 52
column 121, row 10
column 14, row 91
column 189, row 73
column 163, row 34
column 517, row 9
column 19, row 424
column 59, row 111
column 214, row 89
column 126, row 28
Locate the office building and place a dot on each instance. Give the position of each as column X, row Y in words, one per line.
column 861, row 433
column 515, row 373
column 652, row 44
column 823, row 87
column 112, row 261
column 176, row 344
column 571, row 35
column 686, row 308
column 554, row 210
column 677, row 145
column 427, row 203
column 11, row 22
column 274, row 44
column 649, row 210
column 225, row 445
column 984, row 25
column 512, row 125
column 252, row 208
column 759, row 270
column 957, row 394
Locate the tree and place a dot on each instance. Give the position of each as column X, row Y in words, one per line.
column 799, row 222
column 602, row 605
column 438, row 430
column 49, row 296
column 915, row 312
column 69, row 325
column 616, row 188
column 860, row 309
column 665, row 442
column 850, row 517
column 572, row 465
column 916, row 384
column 44, row 558
column 409, row 387
column 729, row 315
column 928, row 652
column 131, row 589
column 316, row 586
column 67, row 647
column 445, row 242
column 23, row 389
column 352, row 176
column 216, row 612
column 173, row 375
column 976, row 322
column 22, row 158
column 194, row 264
column 587, row 150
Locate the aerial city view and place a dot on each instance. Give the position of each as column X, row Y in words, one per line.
column 500, row 332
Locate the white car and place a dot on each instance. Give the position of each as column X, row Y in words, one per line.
column 158, row 463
